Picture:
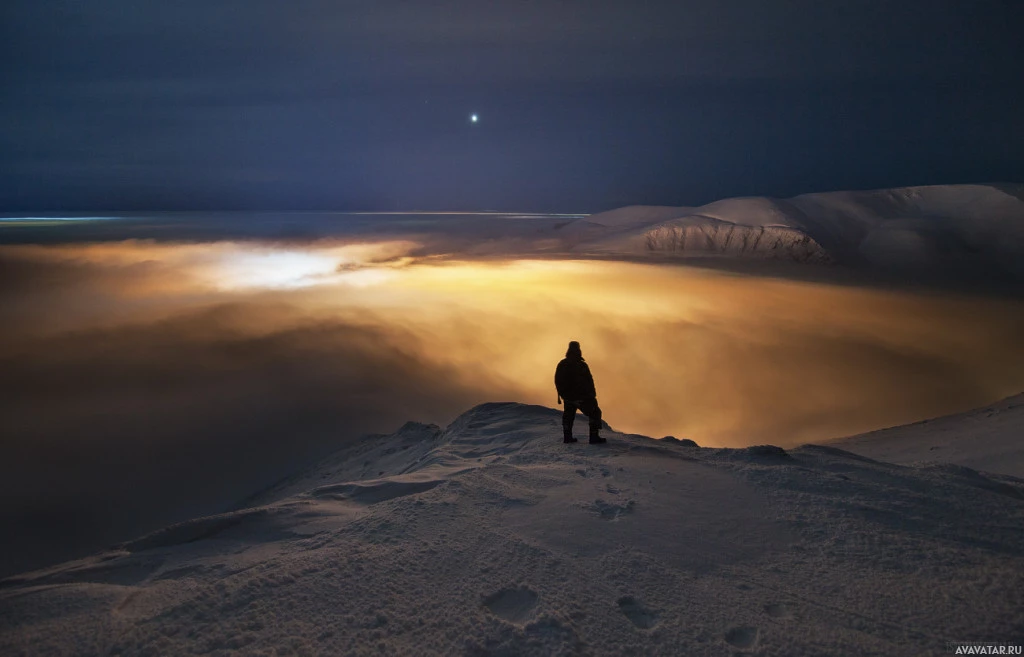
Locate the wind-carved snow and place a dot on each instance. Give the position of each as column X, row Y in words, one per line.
column 492, row 537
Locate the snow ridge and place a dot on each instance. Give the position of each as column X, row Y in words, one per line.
column 491, row 537
column 985, row 438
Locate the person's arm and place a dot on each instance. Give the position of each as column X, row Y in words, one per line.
column 558, row 375
column 589, row 380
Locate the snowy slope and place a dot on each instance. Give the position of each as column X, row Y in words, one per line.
column 989, row 439
column 979, row 228
column 491, row 537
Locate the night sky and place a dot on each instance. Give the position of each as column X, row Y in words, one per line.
column 583, row 105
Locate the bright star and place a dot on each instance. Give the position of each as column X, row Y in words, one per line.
column 474, row 118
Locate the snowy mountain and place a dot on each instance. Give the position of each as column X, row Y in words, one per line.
column 989, row 438
column 491, row 537
column 975, row 228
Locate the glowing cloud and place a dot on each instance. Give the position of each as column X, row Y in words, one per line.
column 723, row 359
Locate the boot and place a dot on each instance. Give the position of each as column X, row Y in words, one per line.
column 595, row 439
column 567, row 436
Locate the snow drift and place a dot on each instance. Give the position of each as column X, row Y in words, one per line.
column 974, row 228
column 491, row 537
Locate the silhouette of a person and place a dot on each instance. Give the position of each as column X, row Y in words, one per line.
column 575, row 385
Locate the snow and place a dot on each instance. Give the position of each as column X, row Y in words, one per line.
column 977, row 229
column 989, row 439
column 491, row 537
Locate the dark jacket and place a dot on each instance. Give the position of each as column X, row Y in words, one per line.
column 573, row 380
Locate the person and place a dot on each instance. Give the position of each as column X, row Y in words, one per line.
column 575, row 385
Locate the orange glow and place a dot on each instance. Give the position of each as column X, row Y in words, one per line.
column 720, row 358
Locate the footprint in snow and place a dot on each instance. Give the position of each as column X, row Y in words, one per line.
column 778, row 610
column 742, row 637
column 637, row 613
column 610, row 511
column 514, row 604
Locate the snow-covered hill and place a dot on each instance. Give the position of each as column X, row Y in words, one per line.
column 974, row 228
column 989, row 438
column 491, row 537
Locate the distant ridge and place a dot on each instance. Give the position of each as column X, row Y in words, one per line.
column 972, row 229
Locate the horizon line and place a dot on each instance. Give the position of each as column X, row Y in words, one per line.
column 70, row 215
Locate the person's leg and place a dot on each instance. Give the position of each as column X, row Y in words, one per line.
column 593, row 413
column 568, row 417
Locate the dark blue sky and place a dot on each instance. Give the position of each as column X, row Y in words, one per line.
column 584, row 105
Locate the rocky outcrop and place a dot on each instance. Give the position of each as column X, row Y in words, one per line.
column 708, row 236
